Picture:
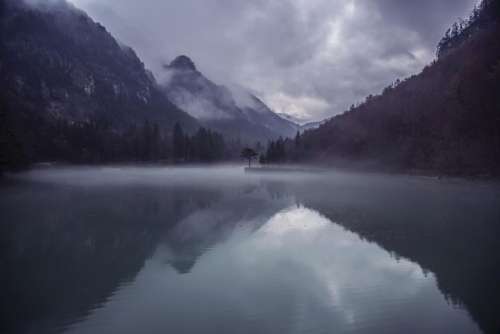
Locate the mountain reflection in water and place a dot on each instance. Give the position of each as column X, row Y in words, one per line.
column 212, row 250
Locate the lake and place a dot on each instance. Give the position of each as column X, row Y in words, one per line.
column 217, row 250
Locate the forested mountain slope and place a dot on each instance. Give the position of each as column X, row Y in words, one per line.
column 62, row 75
column 445, row 119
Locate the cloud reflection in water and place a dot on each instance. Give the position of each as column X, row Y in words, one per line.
column 299, row 272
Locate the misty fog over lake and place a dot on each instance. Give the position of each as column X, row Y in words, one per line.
column 216, row 250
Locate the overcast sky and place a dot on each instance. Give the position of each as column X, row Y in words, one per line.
column 307, row 58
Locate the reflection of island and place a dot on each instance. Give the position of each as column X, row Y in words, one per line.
column 449, row 229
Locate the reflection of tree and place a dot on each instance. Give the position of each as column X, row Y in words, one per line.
column 450, row 230
column 277, row 189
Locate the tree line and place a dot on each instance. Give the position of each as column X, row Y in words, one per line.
column 460, row 31
column 27, row 140
column 285, row 150
column 203, row 146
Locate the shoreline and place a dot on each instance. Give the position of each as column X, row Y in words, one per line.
column 276, row 168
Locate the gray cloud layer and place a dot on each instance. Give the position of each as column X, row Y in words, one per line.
column 307, row 58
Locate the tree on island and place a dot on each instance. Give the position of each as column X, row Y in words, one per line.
column 248, row 154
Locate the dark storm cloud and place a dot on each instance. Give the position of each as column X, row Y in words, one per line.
column 308, row 58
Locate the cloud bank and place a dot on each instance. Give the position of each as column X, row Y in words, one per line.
column 308, row 58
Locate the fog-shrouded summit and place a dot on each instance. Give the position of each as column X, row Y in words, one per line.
column 231, row 110
column 182, row 63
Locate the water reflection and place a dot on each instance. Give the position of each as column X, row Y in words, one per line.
column 297, row 273
column 99, row 250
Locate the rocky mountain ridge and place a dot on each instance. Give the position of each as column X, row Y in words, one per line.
column 233, row 111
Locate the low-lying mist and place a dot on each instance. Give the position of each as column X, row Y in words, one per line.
column 155, row 175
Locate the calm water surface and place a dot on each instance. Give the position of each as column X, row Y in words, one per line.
column 215, row 250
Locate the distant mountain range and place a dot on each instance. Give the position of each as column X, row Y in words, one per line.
column 311, row 125
column 232, row 111
column 301, row 125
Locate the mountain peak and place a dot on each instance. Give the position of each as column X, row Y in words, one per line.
column 183, row 63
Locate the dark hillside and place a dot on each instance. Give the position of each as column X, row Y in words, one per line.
column 444, row 120
column 59, row 66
